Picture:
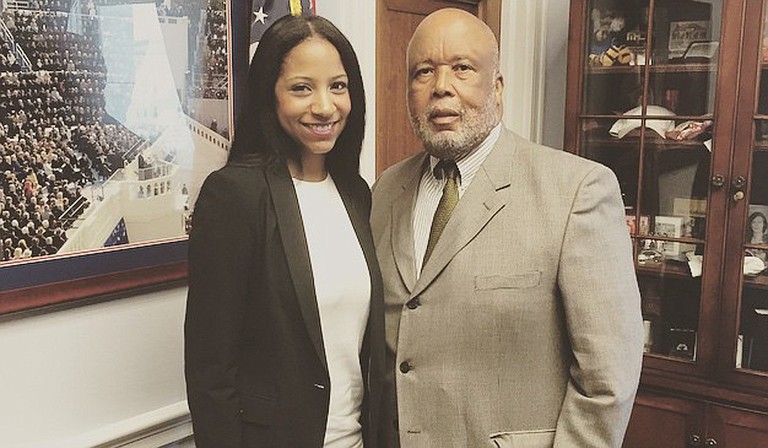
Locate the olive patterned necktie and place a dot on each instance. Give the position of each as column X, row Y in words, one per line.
column 444, row 169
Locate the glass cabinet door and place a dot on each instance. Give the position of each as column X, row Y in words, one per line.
column 648, row 113
column 752, row 338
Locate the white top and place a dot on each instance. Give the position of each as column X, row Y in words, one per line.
column 343, row 290
column 431, row 190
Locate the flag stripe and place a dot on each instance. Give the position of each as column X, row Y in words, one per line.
column 295, row 7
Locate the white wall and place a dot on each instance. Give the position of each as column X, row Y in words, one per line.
column 357, row 20
column 88, row 375
column 533, row 62
column 555, row 62
column 101, row 373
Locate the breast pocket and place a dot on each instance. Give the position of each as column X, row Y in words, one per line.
column 516, row 281
column 524, row 439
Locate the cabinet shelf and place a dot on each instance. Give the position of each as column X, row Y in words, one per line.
column 674, row 269
column 654, row 142
column 659, row 68
column 757, row 281
column 679, row 270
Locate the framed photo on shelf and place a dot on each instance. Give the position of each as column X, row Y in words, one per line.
column 128, row 111
column 669, row 227
column 683, row 33
column 682, row 343
column 693, row 211
column 756, row 231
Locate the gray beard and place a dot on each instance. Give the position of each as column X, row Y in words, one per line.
column 475, row 127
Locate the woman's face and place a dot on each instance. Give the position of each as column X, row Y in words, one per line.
column 758, row 225
column 312, row 96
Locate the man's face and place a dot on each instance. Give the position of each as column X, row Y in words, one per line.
column 454, row 89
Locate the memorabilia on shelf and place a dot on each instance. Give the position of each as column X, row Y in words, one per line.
column 688, row 130
column 693, row 211
column 669, row 227
column 623, row 126
column 701, row 51
column 682, row 34
column 607, row 45
column 682, row 343
column 756, row 234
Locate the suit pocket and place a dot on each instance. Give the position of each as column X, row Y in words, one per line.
column 544, row 438
column 517, row 281
column 258, row 409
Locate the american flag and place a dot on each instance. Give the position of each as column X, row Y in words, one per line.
column 265, row 12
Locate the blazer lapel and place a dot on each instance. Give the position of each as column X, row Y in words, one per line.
column 482, row 200
column 296, row 251
column 402, row 224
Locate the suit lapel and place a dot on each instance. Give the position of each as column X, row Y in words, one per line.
column 482, row 200
column 402, row 224
column 297, row 254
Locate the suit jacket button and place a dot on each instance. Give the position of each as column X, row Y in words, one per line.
column 405, row 367
column 413, row 303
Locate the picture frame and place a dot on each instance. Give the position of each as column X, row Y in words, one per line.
column 757, row 214
column 669, row 227
column 694, row 214
column 682, row 343
column 683, row 33
column 634, row 229
column 144, row 76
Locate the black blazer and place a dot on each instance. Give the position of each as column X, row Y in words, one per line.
column 254, row 359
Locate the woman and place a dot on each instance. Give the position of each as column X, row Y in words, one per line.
column 284, row 327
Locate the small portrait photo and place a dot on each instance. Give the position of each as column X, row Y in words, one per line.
column 756, row 231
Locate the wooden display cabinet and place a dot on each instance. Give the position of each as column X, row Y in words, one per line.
column 672, row 95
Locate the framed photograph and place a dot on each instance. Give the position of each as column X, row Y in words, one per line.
column 630, row 221
column 756, row 231
column 693, row 211
column 669, row 227
column 682, row 343
column 682, row 34
column 634, row 229
column 108, row 131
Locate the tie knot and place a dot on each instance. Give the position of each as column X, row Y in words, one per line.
column 446, row 169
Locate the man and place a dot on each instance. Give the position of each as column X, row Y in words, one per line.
column 521, row 325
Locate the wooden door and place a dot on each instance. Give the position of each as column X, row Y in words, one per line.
column 665, row 422
column 396, row 22
column 735, row 428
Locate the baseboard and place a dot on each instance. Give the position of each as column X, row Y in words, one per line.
column 150, row 430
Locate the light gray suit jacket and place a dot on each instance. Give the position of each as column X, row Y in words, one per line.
column 524, row 328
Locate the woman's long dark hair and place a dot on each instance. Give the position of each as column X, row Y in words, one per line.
column 751, row 218
column 258, row 131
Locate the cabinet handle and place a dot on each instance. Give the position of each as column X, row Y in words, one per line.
column 711, row 442
column 718, row 180
column 737, row 187
column 694, row 440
